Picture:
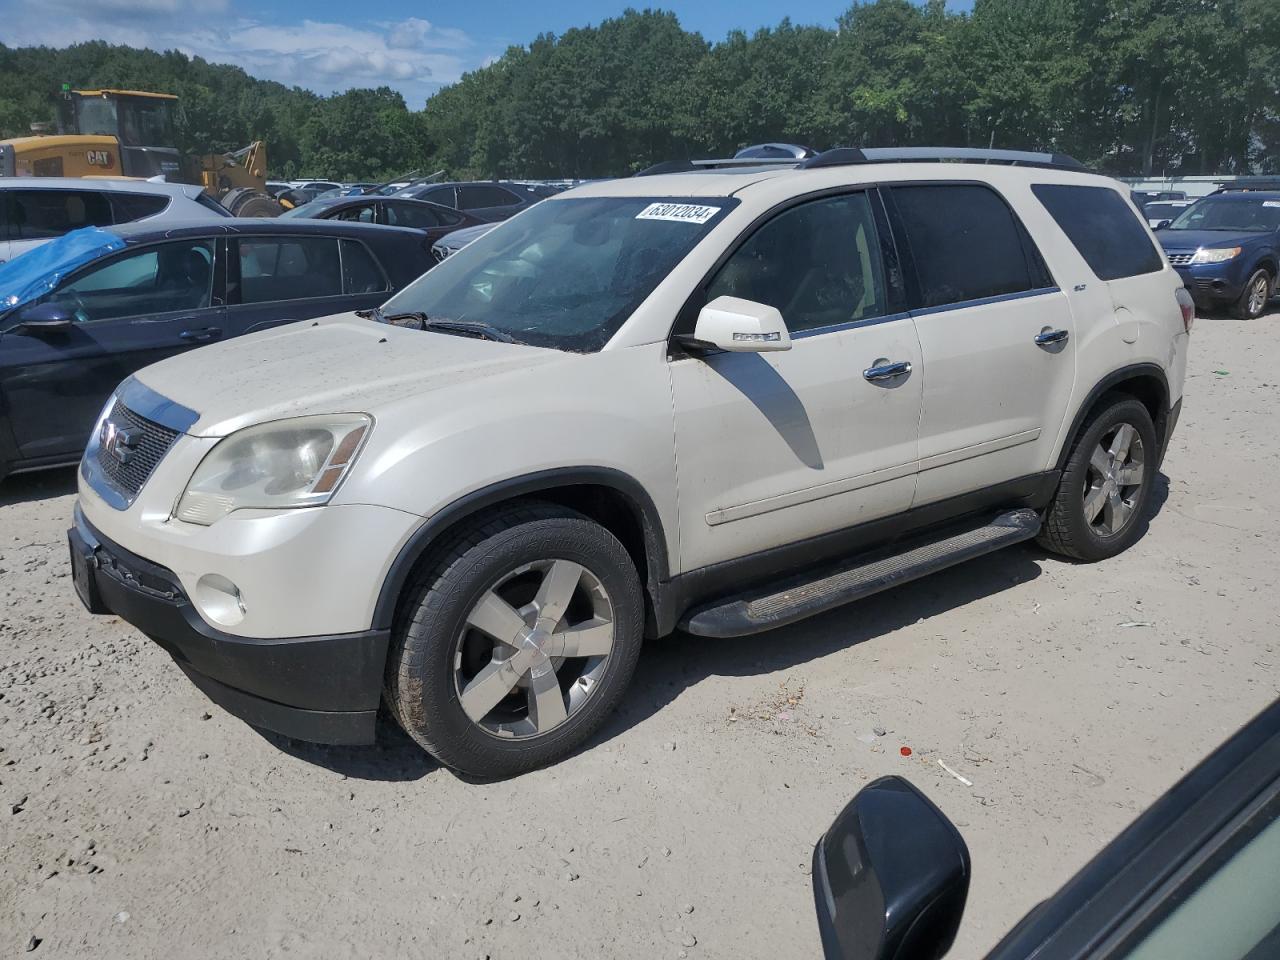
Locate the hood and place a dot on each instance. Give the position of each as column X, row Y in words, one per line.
column 1195, row 239
column 340, row 364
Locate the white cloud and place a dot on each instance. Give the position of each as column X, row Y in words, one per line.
column 413, row 56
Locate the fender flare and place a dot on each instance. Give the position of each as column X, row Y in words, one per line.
column 636, row 496
column 1109, row 382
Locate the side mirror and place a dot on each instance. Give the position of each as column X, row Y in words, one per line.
column 37, row 319
column 1162, row 224
column 740, row 326
column 890, row 877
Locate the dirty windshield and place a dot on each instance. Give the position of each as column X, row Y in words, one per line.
column 566, row 273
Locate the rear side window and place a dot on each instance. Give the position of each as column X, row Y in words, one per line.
column 44, row 214
column 1103, row 228
column 421, row 216
column 360, row 274
column 479, row 196
column 444, row 195
column 129, row 207
column 966, row 244
column 288, row 268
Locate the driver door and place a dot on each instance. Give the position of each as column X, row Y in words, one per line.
column 774, row 448
column 132, row 310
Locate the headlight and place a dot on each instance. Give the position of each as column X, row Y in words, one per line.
column 1215, row 254
column 285, row 463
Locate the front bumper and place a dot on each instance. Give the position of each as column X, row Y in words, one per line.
column 1210, row 284
column 320, row 688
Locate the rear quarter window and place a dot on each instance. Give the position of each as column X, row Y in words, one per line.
column 129, row 207
column 1104, row 229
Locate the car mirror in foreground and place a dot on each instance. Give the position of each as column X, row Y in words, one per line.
column 1162, row 224
column 890, row 877
column 42, row 318
column 739, row 326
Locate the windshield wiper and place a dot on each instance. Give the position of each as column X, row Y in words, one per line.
column 411, row 319
column 476, row 328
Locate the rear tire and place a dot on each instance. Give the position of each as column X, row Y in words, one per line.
column 1105, row 489
column 517, row 641
column 1257, row 293
column 244, row 202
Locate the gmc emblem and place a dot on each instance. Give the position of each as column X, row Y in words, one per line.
column 119, row 442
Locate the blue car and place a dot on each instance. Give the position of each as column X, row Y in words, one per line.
column 1226, row 248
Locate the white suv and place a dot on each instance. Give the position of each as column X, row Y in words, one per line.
column 722, row 400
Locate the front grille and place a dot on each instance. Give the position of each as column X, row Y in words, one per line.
column 130, row 447
column 1180, row 259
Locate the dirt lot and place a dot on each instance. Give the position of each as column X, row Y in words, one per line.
column 138, row 820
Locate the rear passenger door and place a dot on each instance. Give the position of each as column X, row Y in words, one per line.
column 281, row 279
column 996, row 338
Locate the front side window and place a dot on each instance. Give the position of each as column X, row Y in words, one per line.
column 288, row 268
column 965, row 242
column 818, row 263
column 1236, row 214
column 565, row 273
column 156, row 280
column 442, row 195
column 1102, row 227
column 45, row 214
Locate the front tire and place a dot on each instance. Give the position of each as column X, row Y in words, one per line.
column 1253, row 301
column 517, row 642
column 1105, row 489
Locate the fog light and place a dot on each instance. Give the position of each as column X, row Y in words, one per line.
column 219, row 599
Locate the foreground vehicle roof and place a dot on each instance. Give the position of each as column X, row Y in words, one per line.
column 118, row 184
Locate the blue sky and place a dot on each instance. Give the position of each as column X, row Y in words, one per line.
column 329, row 45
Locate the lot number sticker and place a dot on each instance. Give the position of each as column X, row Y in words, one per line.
column 681, row 212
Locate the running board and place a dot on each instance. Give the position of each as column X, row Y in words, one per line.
column 871, row 573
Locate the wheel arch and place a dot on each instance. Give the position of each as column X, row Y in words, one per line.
column 1146, row 382
column 615, row 500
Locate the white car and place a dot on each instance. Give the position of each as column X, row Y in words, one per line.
column 35, row 210
column 720, row 400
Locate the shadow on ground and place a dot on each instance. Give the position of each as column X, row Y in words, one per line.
column 40, row 485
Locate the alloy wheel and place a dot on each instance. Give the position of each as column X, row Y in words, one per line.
column 533, row 649
column 1258, row 294
column 1117, row 469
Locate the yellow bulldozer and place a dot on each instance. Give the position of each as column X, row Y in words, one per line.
column 130, row 133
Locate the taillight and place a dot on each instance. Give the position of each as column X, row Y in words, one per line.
column 1187, row 306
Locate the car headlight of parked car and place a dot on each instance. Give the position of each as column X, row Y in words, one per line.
column 1215, row 254
column 286, row 463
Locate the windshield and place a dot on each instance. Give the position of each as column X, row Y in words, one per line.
column 1239, row 214
column 565, row 273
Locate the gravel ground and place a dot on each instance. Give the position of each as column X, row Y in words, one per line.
column 139, row 820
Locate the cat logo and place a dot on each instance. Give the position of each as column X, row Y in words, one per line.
column 100, row 158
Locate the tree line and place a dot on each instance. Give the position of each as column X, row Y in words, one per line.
column 1127, row 86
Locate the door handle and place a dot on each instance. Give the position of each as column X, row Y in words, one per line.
column 884, row 370
column 1046, row 337
column 204, row 333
